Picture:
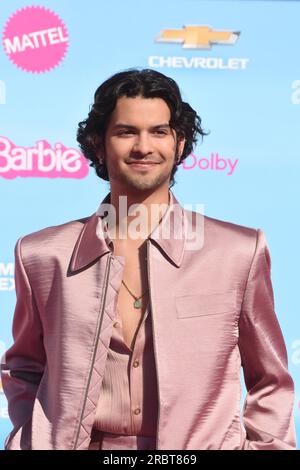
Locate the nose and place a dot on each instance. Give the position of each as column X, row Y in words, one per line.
column 142, row 144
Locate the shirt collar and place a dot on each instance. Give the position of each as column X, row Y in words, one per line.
column 94, row 241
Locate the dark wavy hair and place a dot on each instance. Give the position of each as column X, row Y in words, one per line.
column 131, row 83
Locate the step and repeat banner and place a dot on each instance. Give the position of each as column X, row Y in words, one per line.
column 236, row 62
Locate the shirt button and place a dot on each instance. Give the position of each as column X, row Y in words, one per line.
column 116, row 324
column 137, row 411
column 136, row 364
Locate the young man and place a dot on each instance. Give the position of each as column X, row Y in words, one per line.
column 137, row 342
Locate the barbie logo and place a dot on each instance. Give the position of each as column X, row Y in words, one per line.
column 41, row 161
column 35, row 39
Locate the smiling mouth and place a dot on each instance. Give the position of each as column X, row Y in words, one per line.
column 143, row 163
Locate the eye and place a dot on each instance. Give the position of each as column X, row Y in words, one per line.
column 125, row 132
column 161, row 132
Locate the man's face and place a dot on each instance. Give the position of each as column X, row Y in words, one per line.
column 140, row 145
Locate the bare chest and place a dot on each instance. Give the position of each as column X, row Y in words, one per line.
column 134, row 287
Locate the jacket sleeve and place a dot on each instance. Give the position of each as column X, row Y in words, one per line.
column 23, row 364
column 268, row 408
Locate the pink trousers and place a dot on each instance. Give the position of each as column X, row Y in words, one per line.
column 107, row 441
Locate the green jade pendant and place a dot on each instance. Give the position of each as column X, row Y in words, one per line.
column 137, row 303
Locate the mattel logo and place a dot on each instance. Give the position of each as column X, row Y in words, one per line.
column 41, row 161
column 7, row 282
column 214, row 162
column 35, row 39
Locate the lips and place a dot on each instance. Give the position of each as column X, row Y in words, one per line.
column 145, row 162
column 146, row 165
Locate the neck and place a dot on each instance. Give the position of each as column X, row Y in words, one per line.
column 151, row 206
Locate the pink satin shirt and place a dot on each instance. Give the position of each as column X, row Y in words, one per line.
column 128, row 397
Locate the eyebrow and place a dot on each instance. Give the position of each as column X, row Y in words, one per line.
column 128, row 126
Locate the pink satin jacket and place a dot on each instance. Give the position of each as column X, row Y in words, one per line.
column 212, row 313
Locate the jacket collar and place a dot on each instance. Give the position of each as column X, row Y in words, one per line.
column 93, row 241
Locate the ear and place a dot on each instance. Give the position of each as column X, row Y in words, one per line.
column 100, row 158
column 181, row 144
column 100, row 151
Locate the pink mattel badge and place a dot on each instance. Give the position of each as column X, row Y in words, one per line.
column 35, row 39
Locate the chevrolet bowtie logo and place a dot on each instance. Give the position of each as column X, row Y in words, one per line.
column 198, row 37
